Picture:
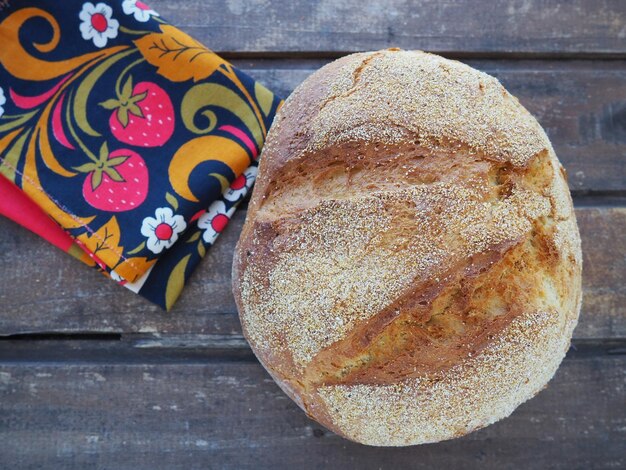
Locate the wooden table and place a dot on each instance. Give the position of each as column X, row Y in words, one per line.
column 92, row 376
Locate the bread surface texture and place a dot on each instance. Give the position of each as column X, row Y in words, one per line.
column 410, row 267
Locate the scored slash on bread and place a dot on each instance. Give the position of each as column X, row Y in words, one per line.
column 410, row 267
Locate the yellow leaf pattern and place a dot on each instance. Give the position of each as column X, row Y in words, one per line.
column 177, row 56
column 175, row 282
column 104, row 243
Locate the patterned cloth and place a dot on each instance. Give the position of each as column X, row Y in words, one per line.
column 137, row 140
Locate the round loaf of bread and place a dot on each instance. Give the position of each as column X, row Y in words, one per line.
column 410, row 266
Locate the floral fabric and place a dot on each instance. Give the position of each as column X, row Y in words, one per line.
column 138, row 141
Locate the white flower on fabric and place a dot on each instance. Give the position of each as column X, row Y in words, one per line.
column 97, row 24
column 163, row 229
column 139, row 10
column 3, row 100
column 242, row 184
column 214, row 221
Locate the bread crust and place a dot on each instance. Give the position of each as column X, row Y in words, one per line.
column 410, row 266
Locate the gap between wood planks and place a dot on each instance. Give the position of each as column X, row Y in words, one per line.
column 499, row 28
column 151, row 348
column 599, row 199
column 454, row 55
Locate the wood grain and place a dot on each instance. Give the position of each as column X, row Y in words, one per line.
column 103, row 379
column 44, row 290
column 580, row 104
column 206, row 413
column 327, row 26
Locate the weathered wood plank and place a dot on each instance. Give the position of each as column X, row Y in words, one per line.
column 500, row 26
column 604, row 272
column 222, row 414
column 580, row 104
column 44, row 290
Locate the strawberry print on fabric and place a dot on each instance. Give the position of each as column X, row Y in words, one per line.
column 143, row 115
column 116, row 181
column 137, row 140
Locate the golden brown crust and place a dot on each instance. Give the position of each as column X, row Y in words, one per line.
column 410, row 244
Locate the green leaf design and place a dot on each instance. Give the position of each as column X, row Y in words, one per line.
column 194, row 237
column 117, row 160
column 114, row 174
column 201, row 249
column 127, row 89
column 136, row 110
column 122, row 115
column 126, row 103
column 224, row 183
column 104, row 151
column 176, row 282
column 96, row 180
column 85, row 168
column 139, row 248
column 171, row 200
column 110, row 104
column 264, row 97
column 139, row 97
column 15, row 123
column 9, row 162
